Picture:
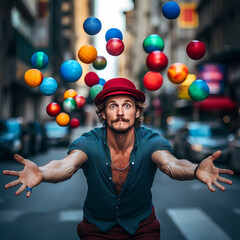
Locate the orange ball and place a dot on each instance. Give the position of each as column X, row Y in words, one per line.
column 33, row 77
column 62, row 119
column 87, row 54
column 177, row 73
column 70, row 93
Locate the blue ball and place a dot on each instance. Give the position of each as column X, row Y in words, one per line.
column 71, row 70
column 92, row 25
column 113, row 33
column 102, row 81
column 171, row 10
column 48, row 86
column 39, row 60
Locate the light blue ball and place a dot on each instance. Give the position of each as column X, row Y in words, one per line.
column 171, row 10
column 71, row 71
column 113, row 33
column 92, row 25
column 48, row 86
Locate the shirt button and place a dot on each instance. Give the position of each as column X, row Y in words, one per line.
column 118, row 198
column 110, row 178
column 132, row 163
column 106, row 163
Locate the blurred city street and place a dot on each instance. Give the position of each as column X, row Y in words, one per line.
column 186, row 210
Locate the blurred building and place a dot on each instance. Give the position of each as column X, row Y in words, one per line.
column 28, row 26
column 215, row 23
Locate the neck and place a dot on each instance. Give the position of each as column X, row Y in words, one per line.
column 120, row 141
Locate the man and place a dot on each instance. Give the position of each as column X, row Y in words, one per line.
column 119, row 161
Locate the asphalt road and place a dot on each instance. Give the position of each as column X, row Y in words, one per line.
column 186, row 210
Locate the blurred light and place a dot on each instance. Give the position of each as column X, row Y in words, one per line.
column 170, row 120
column 196, row 147
column 226, row 119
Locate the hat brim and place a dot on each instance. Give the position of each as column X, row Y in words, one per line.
column 119, row 90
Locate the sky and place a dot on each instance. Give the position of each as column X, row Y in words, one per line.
column 110, row 13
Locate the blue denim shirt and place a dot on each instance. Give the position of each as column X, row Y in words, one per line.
column 102, row 206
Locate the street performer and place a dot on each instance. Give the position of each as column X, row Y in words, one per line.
column 119, row 161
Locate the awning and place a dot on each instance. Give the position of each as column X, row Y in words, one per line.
column 221, row 103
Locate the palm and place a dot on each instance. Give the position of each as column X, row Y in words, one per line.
column 30, row 176
column 209, row 174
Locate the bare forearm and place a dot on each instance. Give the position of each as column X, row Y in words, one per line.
column 181, row 170
column 57, row 171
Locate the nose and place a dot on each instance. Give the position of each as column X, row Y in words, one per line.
column 120, row 111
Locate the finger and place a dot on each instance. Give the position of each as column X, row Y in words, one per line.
column 12, row 184
column 29, row 192
column 12, row 173
column 226, row 171
column 224, row 180
column 210, row 187
column 218, row 185
column 216, row 155
column 19, row 158
column 21, row 189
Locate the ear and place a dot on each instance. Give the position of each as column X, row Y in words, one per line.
column 104, row 115
column 137, row 112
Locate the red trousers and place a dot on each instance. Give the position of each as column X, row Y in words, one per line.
column 149, row 229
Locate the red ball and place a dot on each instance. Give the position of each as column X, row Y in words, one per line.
column 196, row 49
column 80, row 101
column 91, row 79
column 152, row 80
column 53, row 109
column 115, row 46
column 74, row 123
column 157, row 61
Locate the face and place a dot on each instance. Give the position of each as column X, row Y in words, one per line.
column 120, row 113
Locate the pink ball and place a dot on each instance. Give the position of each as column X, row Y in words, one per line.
column 91, row 79
column 157, row 61
column 196, row 49
column 80, row 101
column 152, row 80
column 115, row 46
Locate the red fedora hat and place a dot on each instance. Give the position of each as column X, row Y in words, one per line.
column 119, row 86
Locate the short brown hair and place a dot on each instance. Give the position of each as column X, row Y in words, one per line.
column 139, row 105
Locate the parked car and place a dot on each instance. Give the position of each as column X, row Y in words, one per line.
column 14, row 138
column 198, row 140
column 39, row 141
column 234, row 160
column 57, row 135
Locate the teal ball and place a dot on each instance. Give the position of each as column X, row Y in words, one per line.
column 69, row 105
column 94, row 90
column 198, row 90
column 152, row 43
column 48, row 86
column 39, row 60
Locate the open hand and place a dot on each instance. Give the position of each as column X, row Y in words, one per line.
column 29, row 177
column 210, row 175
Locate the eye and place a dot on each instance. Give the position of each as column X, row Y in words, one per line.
column 112, row 106
column 127, row 105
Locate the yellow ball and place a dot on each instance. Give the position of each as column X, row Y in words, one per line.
column 62, row 119
column 87, row 54
column 33, row 77
column 177, row 73
column 70, row 93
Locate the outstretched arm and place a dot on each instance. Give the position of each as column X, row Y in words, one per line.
column 206, row 172
column 55, row 171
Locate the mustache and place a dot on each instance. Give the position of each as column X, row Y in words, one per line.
column 120, row 119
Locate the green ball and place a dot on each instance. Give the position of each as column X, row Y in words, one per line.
column 153, row 43
column 69, row 105
column 94, row 90
column 198, row 90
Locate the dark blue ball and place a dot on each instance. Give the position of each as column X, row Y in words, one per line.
column 171, row 10
column 113, row 33
column 92, row 25
column 71, row 71
column 39, row 60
